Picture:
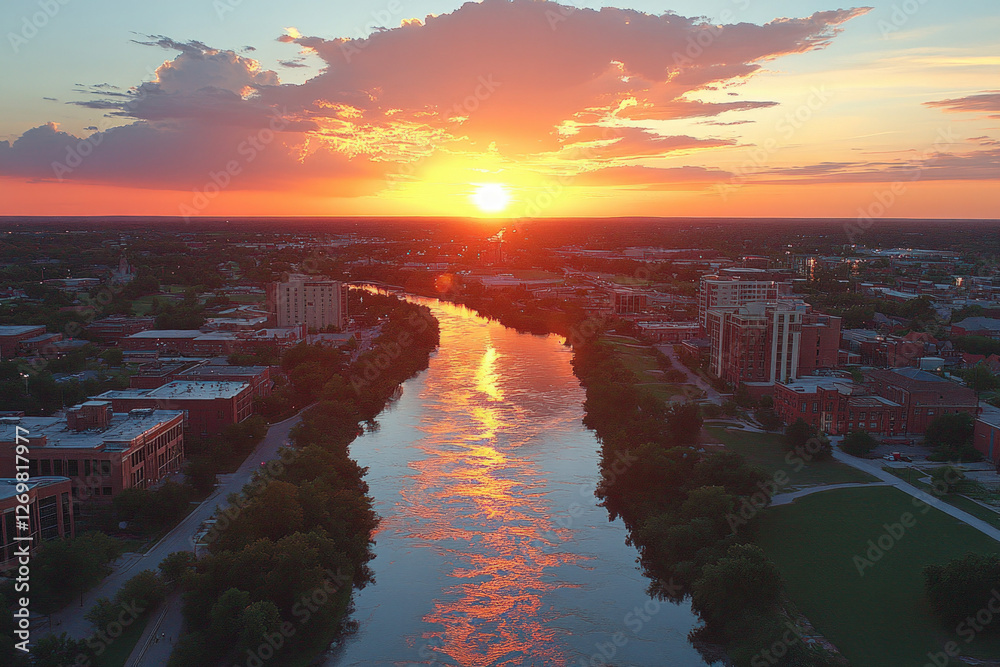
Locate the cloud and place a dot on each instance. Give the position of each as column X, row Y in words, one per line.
column 653, row 178
column 987, row 102
column 504, row 78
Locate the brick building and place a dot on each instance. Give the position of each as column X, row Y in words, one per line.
column 761, row 343
column 157, row 374
column 837, row 406
column 209, row 407
column 924, row 396
column 100, row 451
column 315, row 302
column 50, row 514
column 12, row 335
column 112, row 329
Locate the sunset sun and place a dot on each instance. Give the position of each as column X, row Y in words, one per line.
column 491, row 197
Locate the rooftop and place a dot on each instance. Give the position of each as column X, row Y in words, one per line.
column 812, row 384
column 977, row 323
column 8, row 486
column 121, row 431
column 919, row 375
column 210, row 371
column 19, row 330
column 167, row 333
column 182, row 389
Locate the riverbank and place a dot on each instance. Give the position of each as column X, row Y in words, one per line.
column 677, row 500
column 276, row 581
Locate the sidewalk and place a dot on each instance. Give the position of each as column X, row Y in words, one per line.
column 891, row 480
column 70, row 619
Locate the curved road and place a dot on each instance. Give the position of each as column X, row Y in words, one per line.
column 70, row 619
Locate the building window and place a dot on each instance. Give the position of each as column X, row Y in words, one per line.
column 105, row 467
column 106, row 491
column 72, row 468
column 46, row 467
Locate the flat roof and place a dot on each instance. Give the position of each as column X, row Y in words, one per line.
column 122, row 430
column 8, row 485
column 183, row 389
column 17, row 329
column 811, row 384
column 167, row 333
column 917, row 374
column 209, row 371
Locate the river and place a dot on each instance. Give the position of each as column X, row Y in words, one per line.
column 492, row 549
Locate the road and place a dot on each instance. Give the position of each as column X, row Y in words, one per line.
column 70, row 619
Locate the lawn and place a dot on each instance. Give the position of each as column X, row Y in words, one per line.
column 880, row 619
column 912, row 476
column 641, row 360
column 767, row 451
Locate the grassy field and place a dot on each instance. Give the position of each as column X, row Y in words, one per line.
column 912, row 475
column 641, row 360
column 768, row 451
column 880, row 619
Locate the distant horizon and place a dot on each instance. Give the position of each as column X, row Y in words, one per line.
column 504, row 108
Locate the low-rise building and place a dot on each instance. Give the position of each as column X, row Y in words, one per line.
column 986, row 436
column 837, row 406
column 12, row 335
column 209, row 407
column 977, row 326
column 102, row 452
column 924, row 396
column 51, row 514
column 112, row 329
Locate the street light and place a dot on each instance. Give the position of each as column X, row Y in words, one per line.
column 25, row 376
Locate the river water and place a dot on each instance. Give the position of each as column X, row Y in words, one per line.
column 492, row 549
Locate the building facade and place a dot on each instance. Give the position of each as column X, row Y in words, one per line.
column 208, row 407
column 51, row 514
column 837, row 406
column 720, row 291
column 923, row 396
column 316, row 303
column 100, row 451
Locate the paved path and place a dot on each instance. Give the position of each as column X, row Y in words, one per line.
column 70, row 619
column 160, row 636
column 875, row 468
column 693, row 378
column 792, row 496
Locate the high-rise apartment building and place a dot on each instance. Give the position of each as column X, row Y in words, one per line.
column 719, row 291
column 315, row 302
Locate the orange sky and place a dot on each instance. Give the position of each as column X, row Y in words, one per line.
column 561, row 111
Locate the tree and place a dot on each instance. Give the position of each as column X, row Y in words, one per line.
column 743, row 582
column 174, row 566
column 859, row 443
column 961, row 588
column 946, row 479
column 225, row 615
column 256, row 622
column 951, row 437
column 56, row 651
column 807, row 441
column 980, row 378
column 67, row 568
column 684, row 423
column 145, row 589
column 768, row 419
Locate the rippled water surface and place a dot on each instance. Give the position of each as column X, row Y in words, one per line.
column 492, row 549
